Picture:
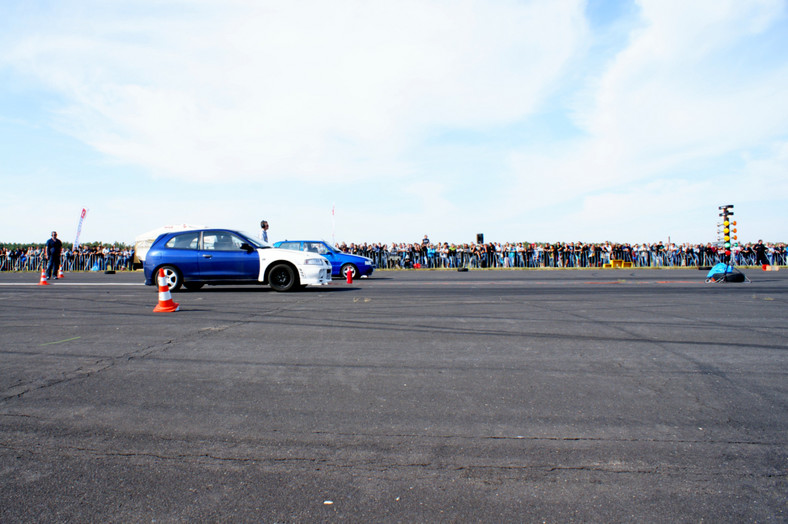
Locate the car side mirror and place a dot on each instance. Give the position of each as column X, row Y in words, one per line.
column 246, row 247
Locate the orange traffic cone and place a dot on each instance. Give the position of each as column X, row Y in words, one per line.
column 60, row 272
column 43, row 281
column 349, row 276
column 165, row 305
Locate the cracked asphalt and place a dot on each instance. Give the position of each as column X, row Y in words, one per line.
column 421, row 396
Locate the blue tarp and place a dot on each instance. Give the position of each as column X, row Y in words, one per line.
column 719, row 268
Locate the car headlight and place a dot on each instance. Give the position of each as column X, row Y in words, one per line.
column 314, row 262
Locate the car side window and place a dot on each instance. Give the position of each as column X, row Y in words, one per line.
column 221, row 241
column 184, row 241
column 296, row 246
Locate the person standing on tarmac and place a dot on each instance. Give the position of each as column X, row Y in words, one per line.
column 52, row 255
column 264, row 231
column 760, row 254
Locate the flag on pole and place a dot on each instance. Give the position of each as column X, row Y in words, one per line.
column 79, row 227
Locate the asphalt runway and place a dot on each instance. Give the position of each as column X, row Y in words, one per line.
column 412, row 396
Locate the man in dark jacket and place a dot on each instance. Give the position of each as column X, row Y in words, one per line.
column 760, row 254
column 52, row 255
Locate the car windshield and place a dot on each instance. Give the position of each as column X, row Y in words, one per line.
column 255, row 241
column 319, row 247
column 330, row 247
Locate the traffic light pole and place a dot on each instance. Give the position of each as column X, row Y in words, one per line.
column 729, row 233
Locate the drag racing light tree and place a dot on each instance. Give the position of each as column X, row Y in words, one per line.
column 729, row 232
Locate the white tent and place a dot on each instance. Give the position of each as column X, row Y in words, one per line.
column 143, row 242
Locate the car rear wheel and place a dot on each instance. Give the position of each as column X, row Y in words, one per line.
column 282, row 278
column 349, row 268
column 173, row 276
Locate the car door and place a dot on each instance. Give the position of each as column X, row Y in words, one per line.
column 181, row 251
column 223, row 258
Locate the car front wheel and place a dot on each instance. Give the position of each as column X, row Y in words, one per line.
column 282, row 278
column 349, row 268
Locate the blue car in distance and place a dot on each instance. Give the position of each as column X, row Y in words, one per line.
column 341, row 263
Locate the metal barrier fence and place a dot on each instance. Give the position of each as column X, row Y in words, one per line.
column 477, row 259
column 75, row 262
column 391, row 259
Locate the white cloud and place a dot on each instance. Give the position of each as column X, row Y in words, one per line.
column 305, row 89
column 674, row 92
column 672, row 102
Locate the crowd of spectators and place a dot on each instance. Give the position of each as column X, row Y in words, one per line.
column 557, row 255
column 445, row 255
column 84, row 258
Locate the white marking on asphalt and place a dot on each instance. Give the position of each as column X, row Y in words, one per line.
column 60, row 284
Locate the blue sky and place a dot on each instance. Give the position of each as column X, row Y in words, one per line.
column 549, row 120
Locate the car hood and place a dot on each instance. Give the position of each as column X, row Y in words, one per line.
column 351, row 256
column 298, row 257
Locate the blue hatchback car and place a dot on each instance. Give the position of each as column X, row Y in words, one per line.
column 341, row 263
column 222, row 256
